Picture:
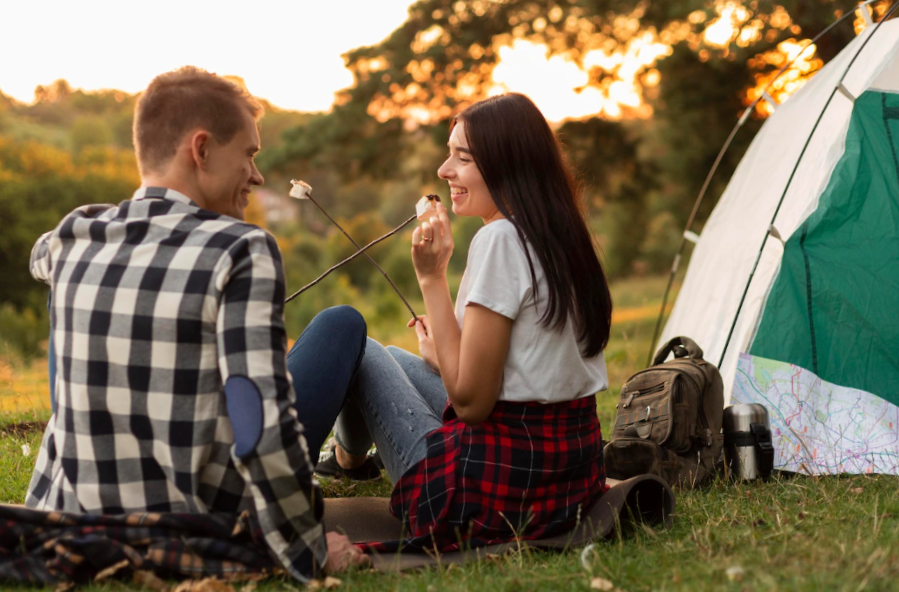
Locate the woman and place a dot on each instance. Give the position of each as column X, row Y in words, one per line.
column 492, row 434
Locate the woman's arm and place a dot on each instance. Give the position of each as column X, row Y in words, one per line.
column 471, row 360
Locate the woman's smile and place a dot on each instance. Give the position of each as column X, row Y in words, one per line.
column 458, row 193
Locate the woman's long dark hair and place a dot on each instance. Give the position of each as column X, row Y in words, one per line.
column 521, row 161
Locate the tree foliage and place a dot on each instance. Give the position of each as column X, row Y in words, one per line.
column 379, row 148
column 637, row 171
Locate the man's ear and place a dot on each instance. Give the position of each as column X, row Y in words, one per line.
column 200, row 142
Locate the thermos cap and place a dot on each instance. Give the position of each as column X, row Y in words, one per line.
column 737, row 418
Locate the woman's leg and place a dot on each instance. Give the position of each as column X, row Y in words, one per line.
column 395, row 415
column 322, row 363
column 350, row 430
column 427, row 382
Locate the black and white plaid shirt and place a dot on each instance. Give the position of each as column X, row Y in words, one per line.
column 156, row 303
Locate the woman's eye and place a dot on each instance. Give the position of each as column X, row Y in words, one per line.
column 464, row 159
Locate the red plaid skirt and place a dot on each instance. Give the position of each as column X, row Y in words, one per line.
column 530, row 470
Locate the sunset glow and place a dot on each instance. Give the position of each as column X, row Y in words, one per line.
column 288, row 52
column 609, row 75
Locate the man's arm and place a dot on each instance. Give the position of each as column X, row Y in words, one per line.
column 40, row 265
column 269, row 451
column 40, row 259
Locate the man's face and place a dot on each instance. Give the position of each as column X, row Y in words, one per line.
column 231, row 171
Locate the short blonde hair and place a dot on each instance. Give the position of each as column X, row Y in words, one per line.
column 185, row 99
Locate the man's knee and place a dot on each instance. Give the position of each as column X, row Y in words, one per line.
column 346, row 321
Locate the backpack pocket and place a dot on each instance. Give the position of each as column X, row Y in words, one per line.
column 628, row 457
column 647, row 410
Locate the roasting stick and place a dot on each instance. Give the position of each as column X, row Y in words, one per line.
column 302, row 190
column 350, row 258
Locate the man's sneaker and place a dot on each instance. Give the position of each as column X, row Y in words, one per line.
column 367, row 471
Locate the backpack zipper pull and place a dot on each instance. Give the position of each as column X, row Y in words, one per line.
column 630, row 399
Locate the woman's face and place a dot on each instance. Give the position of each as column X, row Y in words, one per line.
column 467, row 187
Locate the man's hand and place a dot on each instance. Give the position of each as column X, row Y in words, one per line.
column 342, row 554
column 426, row 342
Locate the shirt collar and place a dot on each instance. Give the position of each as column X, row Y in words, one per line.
column 163, row 193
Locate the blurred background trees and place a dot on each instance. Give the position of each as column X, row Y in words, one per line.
column 661, row 84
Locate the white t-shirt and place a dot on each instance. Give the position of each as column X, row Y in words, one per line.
column 543, row 365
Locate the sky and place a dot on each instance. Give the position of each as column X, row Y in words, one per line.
column 287, row 51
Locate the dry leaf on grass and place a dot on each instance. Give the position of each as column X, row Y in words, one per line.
column 64, row 587
column 734, row 573
column 150, row 580
column 856, row 490
column 328, row 583
column 111, row 570
column 601, row 584
column 250, row 587
column 204, row 585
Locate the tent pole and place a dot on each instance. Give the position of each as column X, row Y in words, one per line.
column 792, row 174
column 683, row 241
column 677, row 258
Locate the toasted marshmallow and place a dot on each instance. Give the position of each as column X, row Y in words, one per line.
column 300, row 189
column 426, row 204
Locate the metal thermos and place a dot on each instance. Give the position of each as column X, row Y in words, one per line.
column 748, row 450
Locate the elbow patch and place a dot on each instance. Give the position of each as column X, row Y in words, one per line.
column 244, row 403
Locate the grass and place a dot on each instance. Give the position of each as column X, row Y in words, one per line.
column 790, row 533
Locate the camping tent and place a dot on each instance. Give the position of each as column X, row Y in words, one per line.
column 816, row 339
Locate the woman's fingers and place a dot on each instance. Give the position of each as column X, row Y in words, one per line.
column 421, row 318
column 416, row 235
column 420, row 331
column 427, row 231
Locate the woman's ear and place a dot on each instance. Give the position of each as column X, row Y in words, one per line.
column 507, row 204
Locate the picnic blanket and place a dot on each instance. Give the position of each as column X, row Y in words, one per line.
column 51, row 547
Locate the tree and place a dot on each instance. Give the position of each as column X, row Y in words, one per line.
column 443, row 58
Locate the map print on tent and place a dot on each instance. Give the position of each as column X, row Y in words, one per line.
column 818, row 427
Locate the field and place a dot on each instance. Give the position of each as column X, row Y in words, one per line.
column 791, row 533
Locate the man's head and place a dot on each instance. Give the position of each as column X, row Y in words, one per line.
column 195, row 132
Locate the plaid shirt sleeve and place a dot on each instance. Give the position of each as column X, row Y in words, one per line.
column 40, row 258
column 252, row 345
column 40, row 264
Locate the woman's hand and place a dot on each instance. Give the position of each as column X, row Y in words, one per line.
column 432, row 246
column 426, row 342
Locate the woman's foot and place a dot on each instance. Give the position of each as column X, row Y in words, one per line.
column 343, row 464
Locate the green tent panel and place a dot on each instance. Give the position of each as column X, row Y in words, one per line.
column 834, row 307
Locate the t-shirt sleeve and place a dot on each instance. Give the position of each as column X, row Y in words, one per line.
column 498, row 272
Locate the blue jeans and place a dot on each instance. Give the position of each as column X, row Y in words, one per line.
column 396, row 401
column 322, row 362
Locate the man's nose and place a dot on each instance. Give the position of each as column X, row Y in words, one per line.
column 256, row 177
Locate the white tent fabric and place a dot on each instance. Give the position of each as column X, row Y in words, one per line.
column 730, row 241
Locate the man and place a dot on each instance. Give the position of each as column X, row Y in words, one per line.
column 173, row 391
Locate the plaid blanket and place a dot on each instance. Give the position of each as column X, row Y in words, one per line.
column 50, row 547
column 528, row 472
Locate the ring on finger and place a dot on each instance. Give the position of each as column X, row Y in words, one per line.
column 424, row 238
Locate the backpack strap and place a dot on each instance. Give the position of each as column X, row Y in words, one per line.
column 682, row 347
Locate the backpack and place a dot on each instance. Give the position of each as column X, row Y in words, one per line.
column 669, row 419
